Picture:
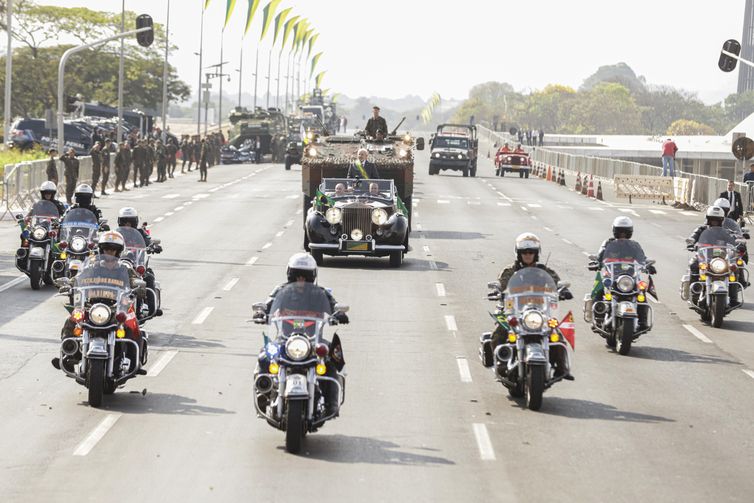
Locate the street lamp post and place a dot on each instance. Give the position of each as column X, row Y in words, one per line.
column 121, row 71
column 199, row 103
column 8, row 69
column 165, row 79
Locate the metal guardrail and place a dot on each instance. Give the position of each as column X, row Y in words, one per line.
column 702, row 190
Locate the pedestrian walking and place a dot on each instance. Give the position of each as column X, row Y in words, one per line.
column 52, row 166
column 71, row 173
column 669, row 149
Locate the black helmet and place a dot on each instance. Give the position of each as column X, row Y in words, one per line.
column 84, row 195
column 128, row 217
column 302, row 265
column 624, row 226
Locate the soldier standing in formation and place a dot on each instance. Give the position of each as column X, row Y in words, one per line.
column 52, row 166
column 172, row 151
column 150, row 160
column 71, row 173
column 203, row 157
column 185, row 153
column 106, row 150
column 122, row 166
column 96, row 153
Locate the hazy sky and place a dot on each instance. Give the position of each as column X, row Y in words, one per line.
column 397, row 47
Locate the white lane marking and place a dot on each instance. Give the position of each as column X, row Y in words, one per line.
column 658, row 212
column 266, row 245
column 158, row 219
column 696, row 333
column 289, row 223
column 450, row 322
column 280, row 233
column 215, row 189
column 433, row 265
column 548, row 229
column 161, row 363
column 524, row 208
column 231, row 284
column 252, row 261
column 440, row 289
column 426, row 249
column 443, row 201
column 567, row 242
column 748, row 372
column 203, row 314
column 292, row 196
column 171, row 196
column 486, row 452
column 504, row 196
column 169, row 213
column 628, row 210
column 463, row 369
column 179, row 208
column 597, row 209
column 691, row 213
column 200, row 196
column 473, row 203
column 503, row 204
column 188, row 203
column 565, row 207
column 585, row 253
column 419, row 227
column 96, row 435
column 534, row 205
column 12, row 283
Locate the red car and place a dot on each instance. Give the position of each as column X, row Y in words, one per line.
column 512, row 162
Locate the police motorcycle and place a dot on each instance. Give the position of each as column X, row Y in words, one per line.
column 718, row 289
column 78, row 236
column 624, row 313
column 297, row 365
column 136, row 256
column 38, row 247
column 102, row 350
column 528, row 314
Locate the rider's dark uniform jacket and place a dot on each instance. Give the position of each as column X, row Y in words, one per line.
column 91, row 207
column 698, row 232
column 509, row 271
column 601, row 253
column 60, row 206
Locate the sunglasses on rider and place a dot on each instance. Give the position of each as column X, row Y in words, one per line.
column 528, row 252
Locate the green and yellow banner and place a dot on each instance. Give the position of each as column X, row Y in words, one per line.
column 279, row 20
column 229, row 6
column 315, row 60
column 312, row 39
column 269, row 12
column 318, row 79
column 289, row 25
column 253, row 6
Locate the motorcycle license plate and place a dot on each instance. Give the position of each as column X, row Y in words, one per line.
column 296, row 385
column 37, row 252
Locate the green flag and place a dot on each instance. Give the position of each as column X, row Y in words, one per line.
column 323, row 199
column 269, row 11
column 228, row 11
column 206, row 4
column 315, row 60
column 318, row 79
column 298, row 34
column 279, row 20
column 401, row 206
column 288, row 29
column 253, row 6
column 312, row 39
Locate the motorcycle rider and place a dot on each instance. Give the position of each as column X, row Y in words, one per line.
column 732, row 226
column 303, row 268
column 527, row 248
column 110, row 243
column 83, row 199
column 623, row 228
column 129, row 217
column 48, row 190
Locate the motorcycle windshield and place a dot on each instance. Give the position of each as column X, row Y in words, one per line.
column 43, row 211
column 301, row 299
column 621, row 256
column 531, row 288
column 78, row 222
column 715, row 242
column 732, row 226
column 102, row 279
column 136, row 248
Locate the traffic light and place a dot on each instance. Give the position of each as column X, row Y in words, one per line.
column 728, row 63
column 144, row 38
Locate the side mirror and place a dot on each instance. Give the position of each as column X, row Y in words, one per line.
column 341, row 308
column 259, row 306
column 156, row 241
column 420, row 143
column 689, row 241
column 61, row 282
column 650, row 262
column 593, row 257
column 563, row 284
column 19, row 216
column 493, row 285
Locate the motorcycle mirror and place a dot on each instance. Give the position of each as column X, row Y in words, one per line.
column 144, row 224
column 19, row 216
column 259, row 306
column 593, row 257
column 650, row 262
column 494, row 285
column 341, row 308
column 689, row 241
column 740, row 241
column 156, row 241
column 563, row 284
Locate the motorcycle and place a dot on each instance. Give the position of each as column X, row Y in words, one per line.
column 297, row 365
column 136, row 256
column 101, row 350
column 623, row 314
column 722, row 272
column 38, row 243
column 527, row 314
column 78, row 236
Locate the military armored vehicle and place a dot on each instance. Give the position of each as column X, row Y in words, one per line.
column 269, row 126
column 317, row 104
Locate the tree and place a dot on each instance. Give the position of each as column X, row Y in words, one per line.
column 488, row 101
column 550, row 108
column 608, row 108
column 739, row 106
column 620, row 74
column 684, row 127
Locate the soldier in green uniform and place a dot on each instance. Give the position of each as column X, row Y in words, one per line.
column 162, row 157
column 106, row 151
column 71, row 173
column 122, row 165
column 376, row 124
column 52, row 166
column 96, row 154
column 203, row 158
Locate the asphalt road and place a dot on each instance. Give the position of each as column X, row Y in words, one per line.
column 423, row 420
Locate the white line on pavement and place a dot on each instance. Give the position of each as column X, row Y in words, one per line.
column 188, row 203
column 503, row 204
column 419, row 227
column 658, row 212
column 628, row 210
column 279, row 233
column 696, row 333
column 748, row 372
column 486, row 452
column 171, row 196
column 426, row 249
column 96, row 435
column 524, row 208
column 440, row 289
column 231, row 284
column 292, row 196
column 566, row 241
column 473, row 203
column 450, row 321
column 534, row 205
column 463, row 369
column 252, row 261
column 504, row 196
column 12, row 283
column 203, row 314
column 200, row 196
column 215, row 189
column 161, row 363
column 169, row 213
column 289, row 223
column 158, row 219
column 597, row 209
column 585, row 253
column 433, row 265
column 690, row 213
column 548, row 229
column 179, row 208
column 266, row 245
column 443, row 201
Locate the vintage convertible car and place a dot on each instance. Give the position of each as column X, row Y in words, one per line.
column 357, row 217
column 512, row 162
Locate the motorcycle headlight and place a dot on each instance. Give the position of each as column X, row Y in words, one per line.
column 625, row 284
column 718, row 266
column 39, row 233
column 99, row 314
column 297, row 348
column 533, row 320
column 333, row 216
column 356, row 234
column 78, row 244
column 379, row 216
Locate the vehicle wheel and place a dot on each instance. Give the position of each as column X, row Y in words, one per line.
column 109, row 387
column 294, row 429
column 36, row 275
column 535, row 386
column 473, row 171
column 718, row 310
column 626, row 337
column 288, row 164
column 526, row 175
column 95, row 381
column 306, row 242
column 319, row 257
column 465, row 171
column 706, row 316
column 520, row 174
column 611, row 340
column 396, row 258
column 307, row 205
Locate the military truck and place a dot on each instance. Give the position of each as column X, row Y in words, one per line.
column 454, row 147
column 270, row 126
column 317, row 104
column 331, row 156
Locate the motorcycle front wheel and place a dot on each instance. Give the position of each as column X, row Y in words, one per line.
column 718, row 310
column 626, row 337
column 36, row 275
column 535, row 386
column 294, row 430
column 95, row 381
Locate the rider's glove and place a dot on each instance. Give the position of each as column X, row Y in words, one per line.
column 341, row 318
column 566, row 294
column 651, row 269
column 593, row 266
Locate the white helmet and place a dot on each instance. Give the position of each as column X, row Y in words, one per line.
column 50, row 186
column 84, row 194
column 715, row 213
column 112, row 239
column 84, row 188
column 302, row 264
column 528, row 241
column 623, row 224
column 128, row 216
column 723, row 204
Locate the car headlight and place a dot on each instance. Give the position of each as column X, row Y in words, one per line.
column 403, row 152
column 625, row 283
column 78, row 244
column 718, row 265
column 39, row 233
column 379, row 216
column 333, row 216
column 533, row 320
column 356, row 234
column 99, row 314
column 460, row 156
column 437, row 156
column 508, row 159
column 312, row 152
column 297, row 348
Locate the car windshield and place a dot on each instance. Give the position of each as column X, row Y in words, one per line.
column 301, row 299
column 43, row 211
column 450, row 142
column 350, row 187
column 136, row 248
column 78, row 222
column 529, row 288
column 102, row 279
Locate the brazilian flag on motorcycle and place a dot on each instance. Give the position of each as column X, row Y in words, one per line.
column 322, row 199
column 597, row 288
column 501, row 320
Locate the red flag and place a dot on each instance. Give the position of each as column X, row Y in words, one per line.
column 568, row 329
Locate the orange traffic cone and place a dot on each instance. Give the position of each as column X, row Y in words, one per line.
column 599, row 191
column 590, row 190
column 577, row 188
column 549, row 174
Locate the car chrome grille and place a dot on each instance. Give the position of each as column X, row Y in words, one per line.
column 357, row 217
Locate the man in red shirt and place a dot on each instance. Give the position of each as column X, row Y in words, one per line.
column 669, row 148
